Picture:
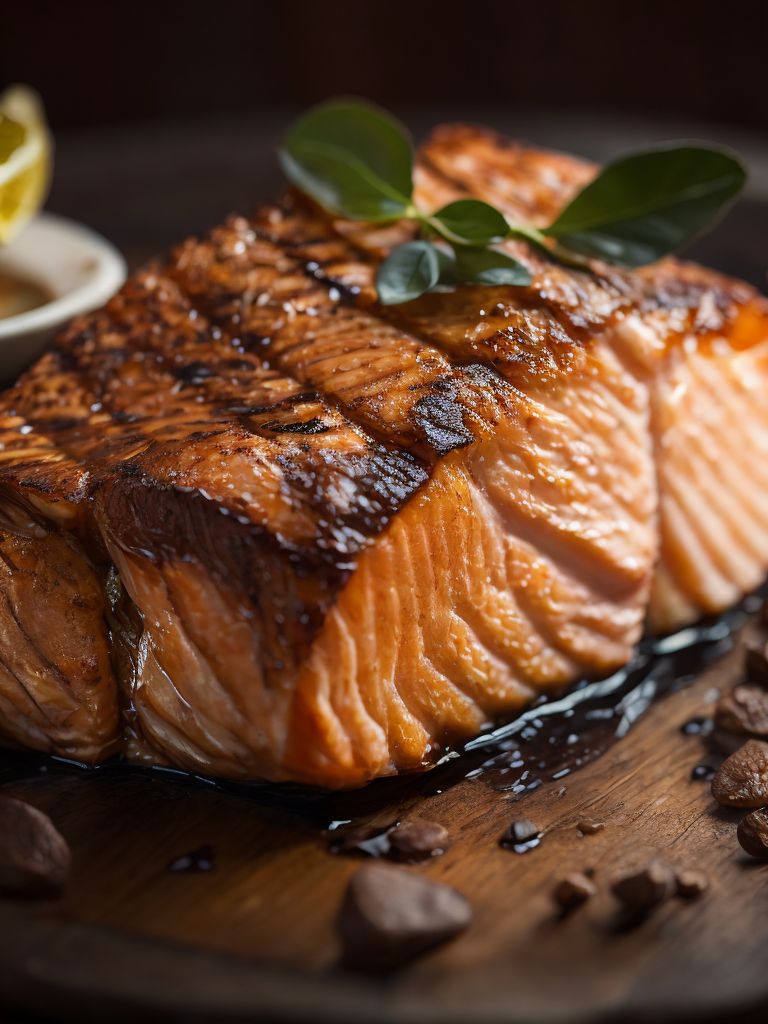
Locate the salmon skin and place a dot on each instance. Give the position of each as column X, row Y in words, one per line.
column 255, row 525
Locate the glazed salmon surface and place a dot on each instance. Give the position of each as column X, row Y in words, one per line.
column 258, row 526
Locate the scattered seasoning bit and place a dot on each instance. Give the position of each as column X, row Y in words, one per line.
column 698, row 727
column 753, row 834
column 372, row 840
column 756, row 662
column 198, row 860
column 572, row 890
column 742, row 779
column 416, row 839
column 704, row 772
column 389, row 915
column 521, row 836
column 744, row 710
column 691, row 883
column 590, row 828
column 34, row 856
column 642, row 890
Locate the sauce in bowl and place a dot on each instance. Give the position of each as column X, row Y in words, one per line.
column 19, row 295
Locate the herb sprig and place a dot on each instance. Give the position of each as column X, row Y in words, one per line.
column 356, row 161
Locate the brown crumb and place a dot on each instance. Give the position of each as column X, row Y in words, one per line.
column 390, row 914
column 691, row 883
column 753, row 834
column 416, row 839
column 642, row 889
column 590, row 828
column 742, row 779
column 744, row 710
column 572, row 890
column 34, row 856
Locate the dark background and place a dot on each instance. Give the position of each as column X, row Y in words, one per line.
column 107, row 62
column 167, row 113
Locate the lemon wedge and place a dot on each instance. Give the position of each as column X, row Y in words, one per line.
column 25, row 174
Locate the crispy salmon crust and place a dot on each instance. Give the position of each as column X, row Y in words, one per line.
column 282, row 532
column 698, row 341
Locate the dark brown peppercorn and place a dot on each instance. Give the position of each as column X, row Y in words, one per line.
column 573, row 890
column 34, row 856
column 742, row 779
column 744, row 710
column 416, row 839
column 390, row 915
column 642, row 889
column 691, row 883
column 753, row 834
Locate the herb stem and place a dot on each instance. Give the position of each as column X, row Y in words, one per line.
column 440, row 229
column 550, row 247
column 532, row 234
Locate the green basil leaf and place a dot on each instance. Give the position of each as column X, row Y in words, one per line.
column 11, row 137
column 473, row 222
column 489, row 267
column 447, row 263
column 408, row 272
column 352, row 158
column 647, row 205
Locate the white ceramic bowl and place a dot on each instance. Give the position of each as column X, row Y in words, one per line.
column 79, row 268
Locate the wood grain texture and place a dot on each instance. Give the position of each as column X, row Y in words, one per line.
column 254, row 939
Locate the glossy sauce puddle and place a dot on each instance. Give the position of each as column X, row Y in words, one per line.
column 19, row 295
column 543, row 746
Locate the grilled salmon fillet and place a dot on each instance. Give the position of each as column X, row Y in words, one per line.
column 255, row 525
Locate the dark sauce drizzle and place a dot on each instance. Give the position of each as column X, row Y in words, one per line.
column 546, row 744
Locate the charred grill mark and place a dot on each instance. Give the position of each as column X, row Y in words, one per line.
column 285, row 404
column 384, row 484
column 313, row 426
column 442, row 419
column 282, row 341
column 194, row 372
column 455, row 183
column 354, row 488
column 295, row 588
column 158, row 385
column 439, row 421
column 532, row 320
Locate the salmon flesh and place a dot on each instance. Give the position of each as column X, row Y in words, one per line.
column 255, row 525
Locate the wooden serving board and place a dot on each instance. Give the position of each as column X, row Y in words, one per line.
column 253, row 939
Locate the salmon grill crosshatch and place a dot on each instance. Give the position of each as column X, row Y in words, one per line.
column 407, row 520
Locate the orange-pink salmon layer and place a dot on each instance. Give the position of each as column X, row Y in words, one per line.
column 255, row 525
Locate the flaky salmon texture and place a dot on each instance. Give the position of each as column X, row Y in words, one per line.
column 255, row 525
